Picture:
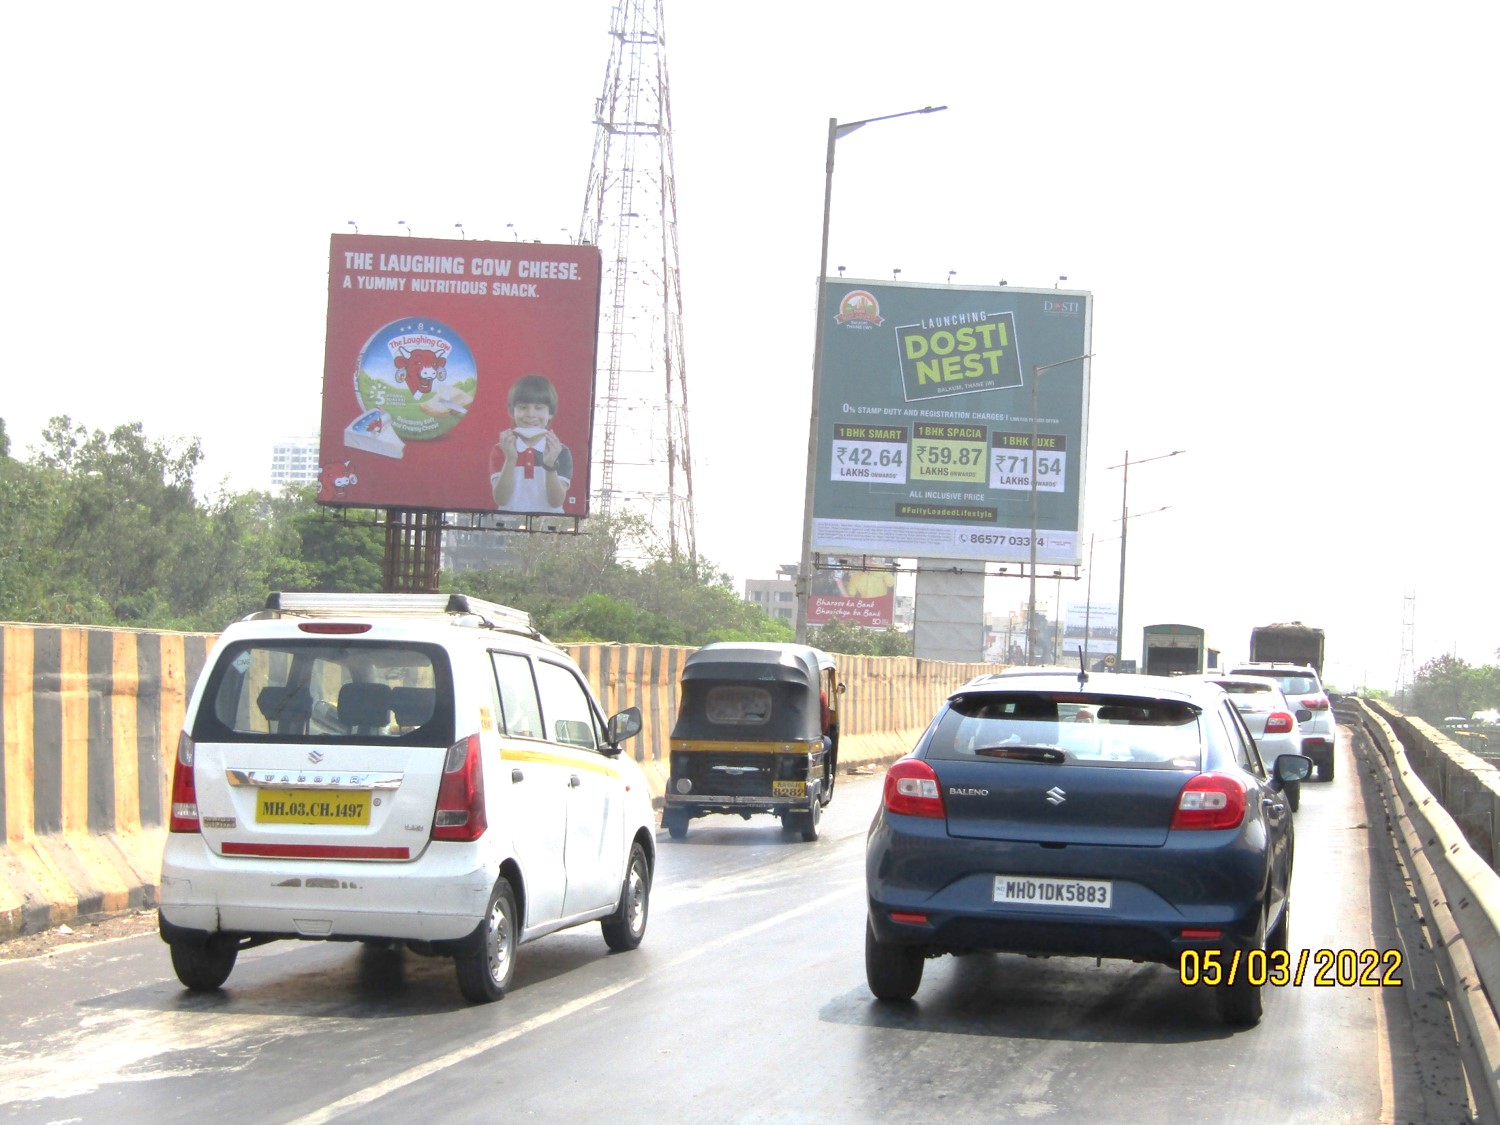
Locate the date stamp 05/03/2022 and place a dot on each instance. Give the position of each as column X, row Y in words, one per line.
column 1321, row 968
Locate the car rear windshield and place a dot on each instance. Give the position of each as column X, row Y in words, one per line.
column 1292, row 683
column 334, row 691
column 1075, row 728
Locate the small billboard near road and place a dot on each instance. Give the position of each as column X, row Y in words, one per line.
column 859, row 597
column 1091, row 622
column 459, row 375
column 925, row 421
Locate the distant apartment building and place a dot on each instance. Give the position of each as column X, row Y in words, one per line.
column 294, row 461
column 777, row 596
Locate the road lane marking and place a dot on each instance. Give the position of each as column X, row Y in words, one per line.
column 413, row 1074
column 453, row 1058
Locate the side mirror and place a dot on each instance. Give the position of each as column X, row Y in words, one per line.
column 626, row 725
column 1292, row 767
column 843, row 687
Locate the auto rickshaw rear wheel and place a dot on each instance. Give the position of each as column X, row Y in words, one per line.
column 804, row 820
column 675, row 821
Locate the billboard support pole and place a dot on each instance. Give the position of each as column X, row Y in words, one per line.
column 1036, row 378
column 805, row 566
column 413, row 551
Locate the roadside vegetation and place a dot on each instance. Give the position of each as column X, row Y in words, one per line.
column 1447, row 692
column 110, row 529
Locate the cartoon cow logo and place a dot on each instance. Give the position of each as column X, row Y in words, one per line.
column 335, row 479
column 418, row 368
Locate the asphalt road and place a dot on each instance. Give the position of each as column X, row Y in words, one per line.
column 747, row 1002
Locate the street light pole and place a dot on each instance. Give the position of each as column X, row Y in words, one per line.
column 1036, row 381
column 804, row 570
column 1088, row 606
column 1124, row 532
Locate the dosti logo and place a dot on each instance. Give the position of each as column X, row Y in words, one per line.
column 859, row 309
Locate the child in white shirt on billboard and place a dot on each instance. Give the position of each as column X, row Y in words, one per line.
column 530, row 467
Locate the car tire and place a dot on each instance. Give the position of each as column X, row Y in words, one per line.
column 1293, row 792
column 894, row 972
column 1240, row 1002
column 675, row 821
column 486, row 959
column 1325, row 768
column 624, row 928
column 1278, row 940
column 204, row 966
column 810, row 820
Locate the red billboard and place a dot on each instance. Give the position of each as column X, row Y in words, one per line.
column 860, row 597
column 459, row 375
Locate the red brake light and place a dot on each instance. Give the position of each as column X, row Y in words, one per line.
column 1210, row 801
column 336, row 627
column 460, row 804
column 184, row 789
column 911, row 789
column 1316, row 703
column 1278, row 722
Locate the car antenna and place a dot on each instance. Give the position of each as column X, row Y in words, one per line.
column 1083, row 668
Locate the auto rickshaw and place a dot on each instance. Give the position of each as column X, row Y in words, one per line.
column 757, row 731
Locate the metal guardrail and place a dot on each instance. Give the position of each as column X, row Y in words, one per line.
column 1460, row 892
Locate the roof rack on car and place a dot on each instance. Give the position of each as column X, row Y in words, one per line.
column 484, row 613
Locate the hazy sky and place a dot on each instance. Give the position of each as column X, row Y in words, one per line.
column 1285, row 213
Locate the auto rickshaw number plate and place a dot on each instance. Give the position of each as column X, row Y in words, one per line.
column 789, row 789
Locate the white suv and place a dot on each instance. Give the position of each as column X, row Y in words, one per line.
column 411, row 768
column 1302, row 688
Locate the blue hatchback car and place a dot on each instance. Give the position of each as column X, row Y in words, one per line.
column 1111, row 816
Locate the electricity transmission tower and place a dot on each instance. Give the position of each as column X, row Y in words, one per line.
column 641, row 451
column 1407, row 672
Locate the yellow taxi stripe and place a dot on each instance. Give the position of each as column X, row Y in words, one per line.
column 747, row 747
column 553, row 759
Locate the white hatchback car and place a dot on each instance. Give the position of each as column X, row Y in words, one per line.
column 1302, row 688
column 408, row 768
column 1271, row 718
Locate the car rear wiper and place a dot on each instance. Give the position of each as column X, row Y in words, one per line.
column 1025, row 753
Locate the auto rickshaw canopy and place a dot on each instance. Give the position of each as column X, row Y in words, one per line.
column 753, row 692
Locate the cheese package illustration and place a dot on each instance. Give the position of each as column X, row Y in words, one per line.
column 373, row 432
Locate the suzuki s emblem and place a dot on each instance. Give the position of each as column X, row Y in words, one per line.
column 1056, row 796
column 315, row 756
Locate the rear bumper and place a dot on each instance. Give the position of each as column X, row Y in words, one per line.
column 1066, row 934
column 700, row 804
column 945, row 890
column 440, row 897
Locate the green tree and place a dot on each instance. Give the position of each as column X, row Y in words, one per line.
column 579, row 588
column 844, row 637
column 1446, row 685
column 129, row 529
column 30, row 507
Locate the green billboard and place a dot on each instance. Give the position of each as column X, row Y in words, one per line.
column 925, row 422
